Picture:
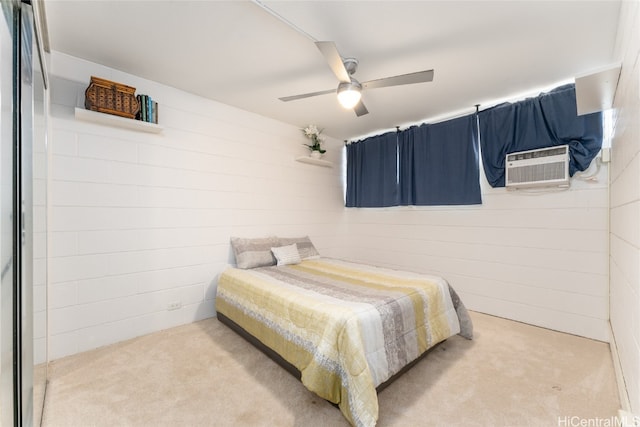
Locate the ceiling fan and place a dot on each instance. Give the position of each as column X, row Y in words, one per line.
column 349, row 89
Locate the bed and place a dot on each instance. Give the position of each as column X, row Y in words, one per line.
column 345, row 328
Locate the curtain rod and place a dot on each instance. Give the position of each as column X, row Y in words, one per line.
column 475, row 109
column 437, row 119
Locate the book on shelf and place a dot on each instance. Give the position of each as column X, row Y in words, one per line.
column 148, row 109
column 149, row 112
column 154, row 116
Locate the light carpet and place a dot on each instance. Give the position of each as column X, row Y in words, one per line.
column 203, row 374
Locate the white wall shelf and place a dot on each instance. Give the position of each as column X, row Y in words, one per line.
column 312, row 161
column 116, row 121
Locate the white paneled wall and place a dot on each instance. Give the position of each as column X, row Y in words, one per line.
column 625, row 203
column 141, row 221
column 535, row 257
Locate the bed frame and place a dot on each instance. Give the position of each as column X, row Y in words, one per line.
column 292, row 369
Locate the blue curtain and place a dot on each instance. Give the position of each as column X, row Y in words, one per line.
column 439, row 163
column 547, row 120
column 372, row 172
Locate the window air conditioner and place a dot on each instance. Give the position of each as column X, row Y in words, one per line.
column 538, row 168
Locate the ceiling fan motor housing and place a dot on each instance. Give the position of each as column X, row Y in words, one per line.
column 350, row 64
column 352, row 85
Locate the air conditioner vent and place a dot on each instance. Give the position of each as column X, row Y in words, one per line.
column 538, row 168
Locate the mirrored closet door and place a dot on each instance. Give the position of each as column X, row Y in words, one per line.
column 23, row 216
column 7, row 47
column 38, row 130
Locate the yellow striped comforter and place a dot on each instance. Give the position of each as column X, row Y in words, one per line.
column 346, row 327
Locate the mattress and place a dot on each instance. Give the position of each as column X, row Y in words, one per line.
column 346, row 327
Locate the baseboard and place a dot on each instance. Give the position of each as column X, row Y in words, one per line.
column 625, row 403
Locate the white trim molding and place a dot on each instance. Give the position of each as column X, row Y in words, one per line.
column 625, row 403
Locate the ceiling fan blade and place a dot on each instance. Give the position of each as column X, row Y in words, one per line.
column 403, row 79
column 331, row 54
column 306, row 95
column 360, row 109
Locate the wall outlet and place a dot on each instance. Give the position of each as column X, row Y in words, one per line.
column 174, row 305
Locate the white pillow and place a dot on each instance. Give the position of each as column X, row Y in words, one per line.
column 305, row 247
column 286, row 255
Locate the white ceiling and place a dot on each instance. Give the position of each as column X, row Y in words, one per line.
column 238, row 53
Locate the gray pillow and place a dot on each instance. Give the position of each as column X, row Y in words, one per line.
column 305, row 247
column 254, row 252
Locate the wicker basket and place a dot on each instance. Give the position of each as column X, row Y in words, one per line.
column 110, row 97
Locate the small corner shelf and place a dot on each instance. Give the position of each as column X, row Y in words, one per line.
column 312, row 161
column 112, row 120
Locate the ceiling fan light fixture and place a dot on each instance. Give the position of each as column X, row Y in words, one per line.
column 349, row 94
